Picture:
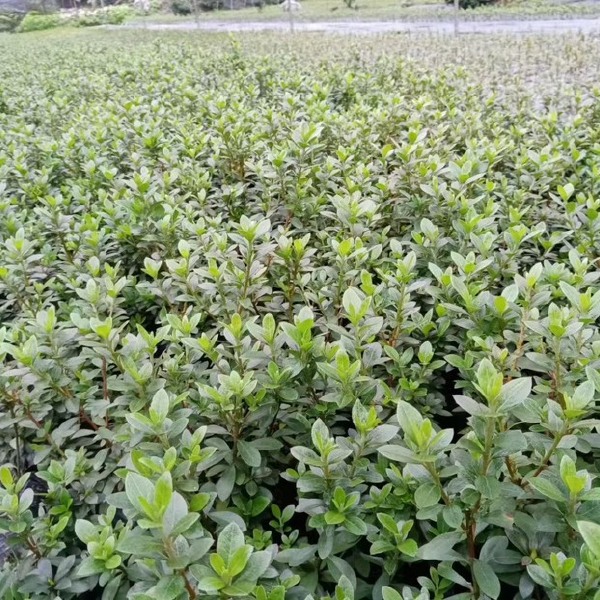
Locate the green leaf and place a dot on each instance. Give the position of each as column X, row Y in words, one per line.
column 355, row 525
column 489, row 381
column 85, row 530
column 547, row 488
column 486, row 579
column 399, row 454
column 169, row 587
column 388, row 522
column 344, row 588
column 352, row 301
column 257, row 564
column 90, row 566
column 239, row 560
column 389, row 593
column 249, row 454
column 427, row 494
column 594, row 376
column 590, row 532
column 176, row 511
column 381, row 546
column 163, row 491
column 140, row 545
column 6, row 477
column 112, row 588
column 259, row 504
column 453, row 515
column 515, row 392
column 441, row 548
column 101, row 328
column 338, row 567
column 239, row 589
column 199, row 502
column 409, row 547
column 113, row 562
column 319, row 434
column 159, row 408
column 200, row 547
column 184, row 524
column 540, row 576
column 566, row 191
column 225, row 483
column 294, row 557
column 210, row 585
column 218, row 565
column 584, row 394
column 409, row 417
column 471, row 406
column 137, row 487
column 229, row 541
column 225, row 517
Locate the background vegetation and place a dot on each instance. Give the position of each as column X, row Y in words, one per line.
column 42, row 13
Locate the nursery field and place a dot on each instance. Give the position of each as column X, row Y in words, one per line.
column 299, row 317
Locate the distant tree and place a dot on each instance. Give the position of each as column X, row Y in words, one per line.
column 471, row 3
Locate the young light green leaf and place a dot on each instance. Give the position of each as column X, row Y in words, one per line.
column 389, row 593
column 229, row 541
column 137, row 487
column 239, row 560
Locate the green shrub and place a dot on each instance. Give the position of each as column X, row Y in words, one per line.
column 111, row 15
column 116, row 15
column 10, row 21
column 38, row 22
column 181, row 7
column 280, row 324
column 91, row 19
column 159, row 5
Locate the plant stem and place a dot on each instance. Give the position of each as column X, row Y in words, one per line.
column 436, row 478
column 33, row 547
column 188, row 586
column 551, row 450
column 490, row 429
column 17, row 442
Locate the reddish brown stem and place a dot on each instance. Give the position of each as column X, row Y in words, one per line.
column 512, row 471
column 188, row 586
column 84, row 418
column 471, row 531
column 33, row 547
column 30, row 416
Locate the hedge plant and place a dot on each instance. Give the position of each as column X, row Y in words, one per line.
column 298, row 328
column 38, row 22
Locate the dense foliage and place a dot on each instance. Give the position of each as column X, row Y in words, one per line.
column 188, row 7
column 472, row 3
column 33, row 21
column 316, row 327
column 38, row 22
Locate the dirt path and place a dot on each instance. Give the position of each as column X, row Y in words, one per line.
column 375, row 27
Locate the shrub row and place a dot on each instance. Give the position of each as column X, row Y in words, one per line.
column 316, row 327
column 111, row 15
